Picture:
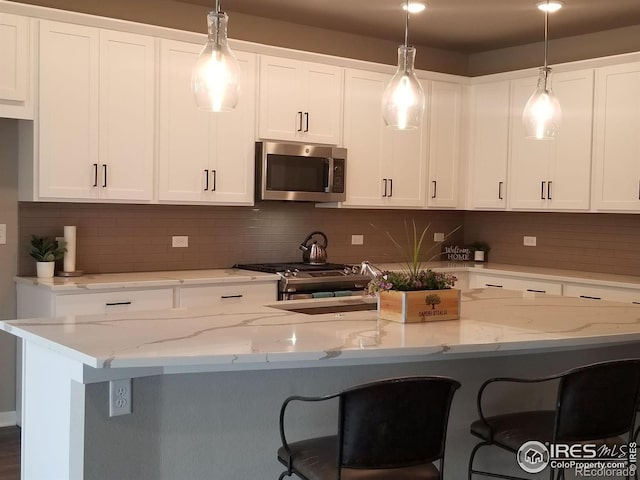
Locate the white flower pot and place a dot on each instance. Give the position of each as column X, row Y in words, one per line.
column 478, row 256
column 45, row 269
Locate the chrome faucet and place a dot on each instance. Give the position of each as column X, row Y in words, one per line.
column 366, row 268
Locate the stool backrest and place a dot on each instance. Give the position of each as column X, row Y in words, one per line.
column 394, row 423
column 598, row 401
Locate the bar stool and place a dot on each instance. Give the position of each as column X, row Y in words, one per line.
column 595, row 403
column 393, row 429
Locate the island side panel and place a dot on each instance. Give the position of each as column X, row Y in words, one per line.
column 54, row 413
column 224, row 425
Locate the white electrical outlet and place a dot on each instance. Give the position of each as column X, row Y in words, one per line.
column 438, row 237
column 529, row 241
column 357, row 239
column 180, row 241
column 3, row 233
column 119, row 397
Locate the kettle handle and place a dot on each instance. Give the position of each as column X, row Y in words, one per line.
column 326, row 242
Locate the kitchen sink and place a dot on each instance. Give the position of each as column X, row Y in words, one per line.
column 310, row 309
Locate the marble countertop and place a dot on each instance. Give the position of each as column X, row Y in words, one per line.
column 111, row 281
column 250, row 337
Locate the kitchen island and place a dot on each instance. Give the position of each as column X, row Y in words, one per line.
column 208, row 382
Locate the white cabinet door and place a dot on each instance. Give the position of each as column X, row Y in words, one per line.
column 385, row 167
column 14, row 57
column 127, row 94
column 553, row 174
column 203, row 157
column 529, row 158
column 616, row 173
column 184, row 131
column 569, row 186
column 96, row 117
column 363, row 137
column 299, row 101
column 489, row 145
column 68, row 111
column 232, row 165
column 444, row 108
column 229, row 294
column 477, row 280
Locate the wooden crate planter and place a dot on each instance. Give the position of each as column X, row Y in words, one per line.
column 419, row 306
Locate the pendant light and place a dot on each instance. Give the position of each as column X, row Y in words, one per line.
column 542, row 114
column 403, row 99
column 215, row 81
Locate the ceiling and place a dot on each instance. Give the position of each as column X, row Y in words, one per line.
column 465, row 26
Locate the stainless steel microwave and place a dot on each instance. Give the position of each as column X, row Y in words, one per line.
column 307, row 173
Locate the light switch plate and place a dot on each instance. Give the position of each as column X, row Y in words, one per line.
column 529, row 241
column 438, row 237
column 357, row 239
column 3, row 233
column 180, row 241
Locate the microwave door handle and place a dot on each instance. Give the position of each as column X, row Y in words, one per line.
column 328, row 174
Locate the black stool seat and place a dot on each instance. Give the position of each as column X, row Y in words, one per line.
column 316, row 460
column 513, row 429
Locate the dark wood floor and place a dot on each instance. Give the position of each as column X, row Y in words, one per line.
column 10, row 453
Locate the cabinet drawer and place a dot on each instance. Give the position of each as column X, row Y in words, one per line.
column 594, row 292
column 510, row 283
column 228, row 294
column 108, row 302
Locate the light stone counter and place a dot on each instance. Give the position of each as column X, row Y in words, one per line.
column 114, row 281
column 231, row 367
column 256, row 337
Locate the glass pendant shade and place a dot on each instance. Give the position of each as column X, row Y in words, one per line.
column 216, row 77
column 403, row 99
column 542, row 114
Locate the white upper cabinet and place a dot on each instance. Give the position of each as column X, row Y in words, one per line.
column 489, row 145
column 385, row 167
column 553, row 174
column 204, row 157
column 16, row 67
column 444, row 107
column 96, row 114
column 616, row 172
column 300, row 101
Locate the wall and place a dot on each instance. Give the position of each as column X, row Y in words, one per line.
column 121, row 238
column 8, row 260
column 186, row 16
column 593, row 242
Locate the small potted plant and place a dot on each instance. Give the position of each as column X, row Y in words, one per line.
column 480, row 251
column 46, row 251
column 412, row 295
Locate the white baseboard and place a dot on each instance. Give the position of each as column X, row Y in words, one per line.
column 7, row 419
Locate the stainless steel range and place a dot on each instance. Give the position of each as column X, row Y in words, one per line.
column 302, row 280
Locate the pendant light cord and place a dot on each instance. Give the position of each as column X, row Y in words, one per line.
column 546, row 34
column 406, row 35
column 217, row 40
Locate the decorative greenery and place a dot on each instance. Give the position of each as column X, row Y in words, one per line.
column 414, row 276
column 480, row 246
column 46, row 249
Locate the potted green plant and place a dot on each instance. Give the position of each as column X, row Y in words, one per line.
column 480, row 251
column 416, row 294
column 46, row 250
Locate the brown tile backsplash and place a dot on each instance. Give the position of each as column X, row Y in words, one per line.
column 125, row 238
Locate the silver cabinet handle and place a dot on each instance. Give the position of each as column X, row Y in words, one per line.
column 231, row 296
column 536, row 291
column 435, row 188
column 590, row 298
column 206, row 179
column 491, row 285
column 95, row 174
column 391, row 187
column 542, row 190
column 549, row 190
column 215, row 180
column 306, row 116
column 299, row 121
column 385, row 187
column 500, row 190
column 114, row 304
column 104, row 175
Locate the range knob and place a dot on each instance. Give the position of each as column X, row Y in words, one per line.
column 347, row 270
column 355, row 269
